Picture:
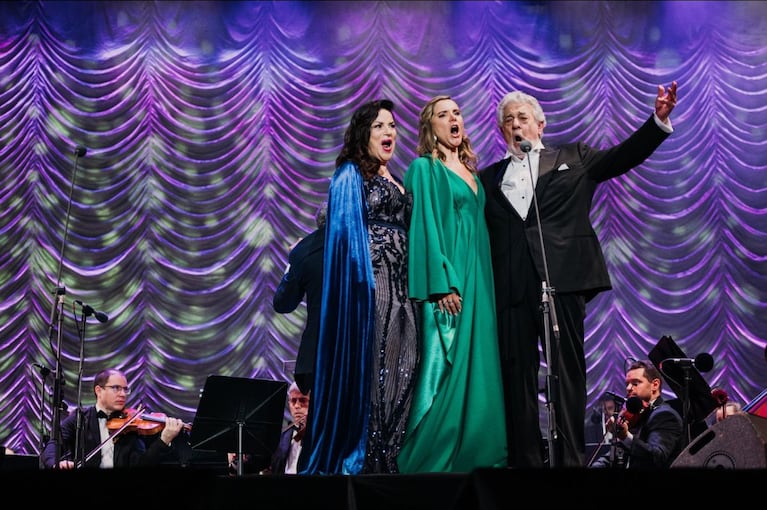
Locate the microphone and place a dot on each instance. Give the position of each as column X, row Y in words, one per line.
column 80, row 151
column 703, row 362
column 525, row 146
column 89, row 310
column 44, row 371
column 616, row 398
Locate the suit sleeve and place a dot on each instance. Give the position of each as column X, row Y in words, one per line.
column 607, row 164
column 290, row 292
column 660, row 444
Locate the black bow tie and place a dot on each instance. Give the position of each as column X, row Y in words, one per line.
column 114, row 414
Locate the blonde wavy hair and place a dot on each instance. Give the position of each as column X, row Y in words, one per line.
column 427, row 140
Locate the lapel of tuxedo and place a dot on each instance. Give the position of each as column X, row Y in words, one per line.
column 546, row 170
column 498, row 170
column 546, row 162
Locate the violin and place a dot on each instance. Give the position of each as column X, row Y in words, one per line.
column 145, row 424
column 635, row 412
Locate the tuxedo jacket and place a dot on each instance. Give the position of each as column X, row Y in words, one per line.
column 280, row 456
column 658, row 439
column 130, row 449
column 304, row 278
column 568, row 178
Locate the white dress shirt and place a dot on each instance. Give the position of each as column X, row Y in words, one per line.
column 291, row 463
column 517, row 185
column 108, row 448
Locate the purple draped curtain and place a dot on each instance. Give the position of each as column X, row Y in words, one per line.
column 212, row 128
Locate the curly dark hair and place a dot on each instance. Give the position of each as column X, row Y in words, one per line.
column 357, row 136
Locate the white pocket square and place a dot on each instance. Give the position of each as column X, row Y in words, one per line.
column 563, row 166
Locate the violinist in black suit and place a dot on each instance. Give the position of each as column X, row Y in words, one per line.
column 126, row 449
column 564, row 180
column 285, row 457
column 652, row 434
column 304, row 278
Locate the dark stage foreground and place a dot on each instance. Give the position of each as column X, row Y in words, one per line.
column 483, row 489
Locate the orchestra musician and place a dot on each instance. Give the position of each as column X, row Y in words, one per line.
column 649, row 432
column 111, row 435
column 284, row 459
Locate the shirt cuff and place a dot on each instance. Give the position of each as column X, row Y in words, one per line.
column 665, row 127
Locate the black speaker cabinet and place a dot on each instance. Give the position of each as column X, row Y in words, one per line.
column 737, row 442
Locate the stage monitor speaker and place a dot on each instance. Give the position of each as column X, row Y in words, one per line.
column 737, row 442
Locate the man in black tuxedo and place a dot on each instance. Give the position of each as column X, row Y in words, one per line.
column 651, row 435
column 304, row 278
column 285, row 457
column 130, row 449
column 564, row 179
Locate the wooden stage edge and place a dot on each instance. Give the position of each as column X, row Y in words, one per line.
column 483, row 489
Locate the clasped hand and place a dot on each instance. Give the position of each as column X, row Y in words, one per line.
column 450, row 303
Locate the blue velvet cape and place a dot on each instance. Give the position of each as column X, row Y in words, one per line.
column 340, row 403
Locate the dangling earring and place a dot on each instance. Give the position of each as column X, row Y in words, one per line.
column 435, row 139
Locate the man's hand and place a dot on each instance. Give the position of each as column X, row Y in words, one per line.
column 665, row 102
column 172, row 428
column 66, row 464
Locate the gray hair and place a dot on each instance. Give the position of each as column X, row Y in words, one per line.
column 517, row 96
column 294, row 387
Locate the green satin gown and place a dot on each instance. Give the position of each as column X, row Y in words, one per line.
column 457, row 418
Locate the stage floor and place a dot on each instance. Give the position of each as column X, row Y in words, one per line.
column 486, row 489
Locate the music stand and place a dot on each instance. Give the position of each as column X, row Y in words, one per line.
column 239, row 414
column 693, row 391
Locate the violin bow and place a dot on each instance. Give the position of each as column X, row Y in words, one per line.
column 93, row 452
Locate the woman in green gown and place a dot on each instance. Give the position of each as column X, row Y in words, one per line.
column 457, row 419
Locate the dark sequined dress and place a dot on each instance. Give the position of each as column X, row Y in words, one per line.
column 395, row 358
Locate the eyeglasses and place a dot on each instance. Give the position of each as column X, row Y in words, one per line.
column 117, row 388
column 304, row 401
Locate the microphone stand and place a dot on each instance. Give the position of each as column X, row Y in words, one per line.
column 549, row 318
column 686, row 403
column 614, row 439
column 58, row 381
column 44, row 373
column 79, row 443
column 57, row 316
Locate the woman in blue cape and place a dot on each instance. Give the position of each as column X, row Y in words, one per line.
column 367, row 351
